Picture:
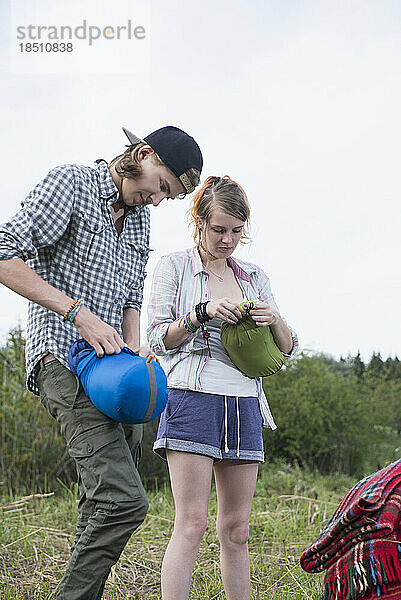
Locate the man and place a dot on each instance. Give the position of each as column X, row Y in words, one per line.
column 78, row 249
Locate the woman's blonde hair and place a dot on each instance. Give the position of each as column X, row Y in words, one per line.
column 223, row 193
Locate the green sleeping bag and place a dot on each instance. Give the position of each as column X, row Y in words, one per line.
column 251, row 348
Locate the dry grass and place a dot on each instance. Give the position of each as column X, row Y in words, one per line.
column 36, row 532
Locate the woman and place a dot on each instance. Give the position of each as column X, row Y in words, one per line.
column 214, row 416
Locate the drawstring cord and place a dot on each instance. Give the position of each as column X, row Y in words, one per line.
column 238, row 428
column 225, row 426
column 226, row 449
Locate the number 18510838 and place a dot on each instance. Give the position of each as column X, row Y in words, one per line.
column 46, row 47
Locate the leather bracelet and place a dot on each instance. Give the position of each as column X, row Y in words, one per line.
column 198, row 313
column 204, row 312
column 201, row 314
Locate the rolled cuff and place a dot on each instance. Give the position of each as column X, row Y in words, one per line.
column 156, row 337
column 295, row 344
column 135, row 299
column 156, row 341
column 133, row 304
column 10, row 248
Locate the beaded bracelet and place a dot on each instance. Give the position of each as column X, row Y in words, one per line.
column 206, row 336
column 75, row 311
column 188, row 324
column 71, row 313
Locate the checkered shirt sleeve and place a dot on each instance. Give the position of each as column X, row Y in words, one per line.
column 66, row 234
column 43, row 219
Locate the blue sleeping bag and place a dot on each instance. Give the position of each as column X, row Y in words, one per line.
column 126, row 387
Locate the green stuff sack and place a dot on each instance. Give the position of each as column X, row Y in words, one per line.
column 251, row 348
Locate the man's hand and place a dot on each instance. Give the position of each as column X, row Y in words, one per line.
column 102, row 337
column 145, row 352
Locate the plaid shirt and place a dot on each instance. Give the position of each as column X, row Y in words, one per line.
column 66, row 234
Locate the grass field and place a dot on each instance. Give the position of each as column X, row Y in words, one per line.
column 289, row 509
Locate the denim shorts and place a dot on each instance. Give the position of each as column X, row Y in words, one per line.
column 211, row 424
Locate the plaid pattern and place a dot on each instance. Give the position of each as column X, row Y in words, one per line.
column 393, row 593
column 360, row 545
column 65, row 233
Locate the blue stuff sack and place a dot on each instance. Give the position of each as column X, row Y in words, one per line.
column 126, row 387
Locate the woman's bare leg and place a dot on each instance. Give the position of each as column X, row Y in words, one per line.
column 190, row 476
column 235, row 486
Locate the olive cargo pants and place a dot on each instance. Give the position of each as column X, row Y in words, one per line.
column 112, row 501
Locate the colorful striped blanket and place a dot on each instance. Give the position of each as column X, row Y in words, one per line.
column 361, row 543
column 394, row 593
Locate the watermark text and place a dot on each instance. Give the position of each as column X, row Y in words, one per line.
column 89, row 33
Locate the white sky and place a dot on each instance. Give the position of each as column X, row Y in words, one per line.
column 297, row 100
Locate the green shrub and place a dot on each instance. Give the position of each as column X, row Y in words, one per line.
column 326, row 419
column 334, row 416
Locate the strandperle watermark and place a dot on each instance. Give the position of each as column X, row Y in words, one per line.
column 84, row 31
column 75, row 38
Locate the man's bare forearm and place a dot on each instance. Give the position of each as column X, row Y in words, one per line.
column 131, row 327
column 20, row 278
column 132, row 331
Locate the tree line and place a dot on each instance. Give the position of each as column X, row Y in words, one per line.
column 332, row 415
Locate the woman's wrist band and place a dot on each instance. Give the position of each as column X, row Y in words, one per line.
column 202, row 317
column 204, row 312
column 72, row 312
column 201, row 314
column 188, row 324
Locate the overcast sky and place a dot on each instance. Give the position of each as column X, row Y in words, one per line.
column 297, row 100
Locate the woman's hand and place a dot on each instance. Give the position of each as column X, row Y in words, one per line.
column 225, row 309
column 263, row 315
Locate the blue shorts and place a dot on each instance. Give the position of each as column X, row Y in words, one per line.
column 210, row 424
